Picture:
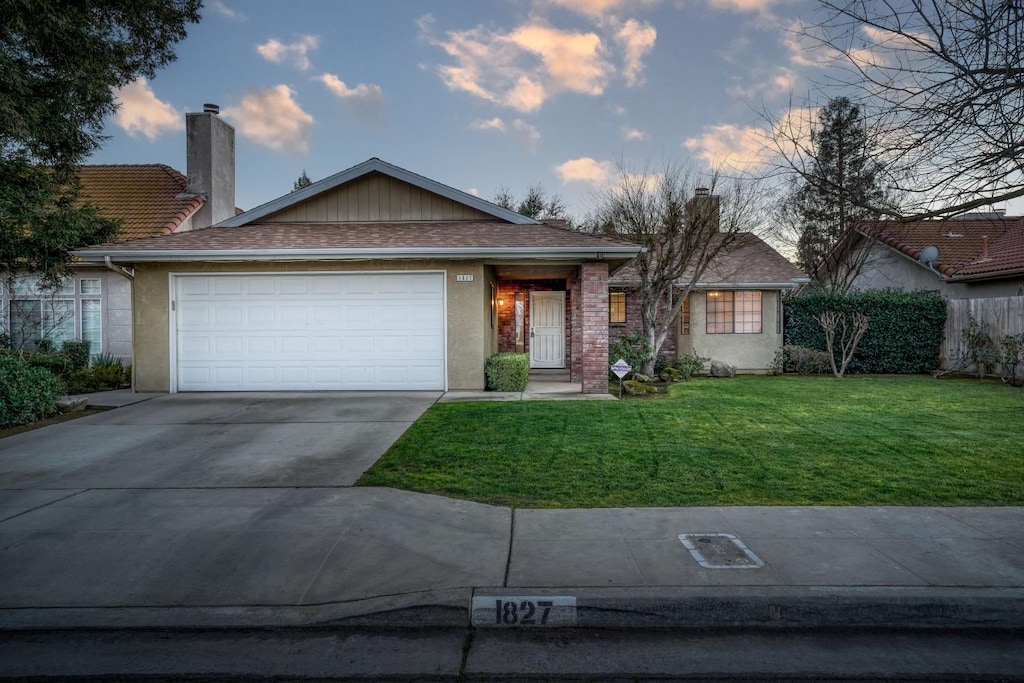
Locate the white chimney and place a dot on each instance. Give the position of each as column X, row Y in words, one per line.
column 211, row 165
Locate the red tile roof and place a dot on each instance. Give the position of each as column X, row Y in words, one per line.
column 145, row 197
column 961, row 243
column 749, row 260
column 454, row 234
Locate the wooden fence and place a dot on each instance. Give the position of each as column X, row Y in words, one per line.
column 1004, row 315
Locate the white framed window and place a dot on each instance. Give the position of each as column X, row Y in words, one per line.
column 73, row 310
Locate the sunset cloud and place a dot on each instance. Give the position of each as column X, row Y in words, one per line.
column 637, row 39
column 489, row 124
column 141, row 112
column 528, row 136
column 271, row 117
column 743, row 148
column 596, row 9
column 365, row 100
column 586, row 170
column 633, row 134
column 297, row 53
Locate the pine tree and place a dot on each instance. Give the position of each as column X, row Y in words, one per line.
column 842, row 179
column 302, row 182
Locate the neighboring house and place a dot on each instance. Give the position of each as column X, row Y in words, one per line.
column 733, row 314
column 374, row 278
column 977, row 255
column 149, row 200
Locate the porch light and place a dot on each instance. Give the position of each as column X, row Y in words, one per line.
column 501, row 302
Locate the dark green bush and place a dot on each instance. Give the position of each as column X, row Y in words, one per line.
column 54, row 363
column 904, row 335
column 507, row 371
column 635, row 349
column 805, row 361
column 76, row 351
column 26, row 393
column 690, row 364
column 635, row 388
column 671, row 374
column 98, row 378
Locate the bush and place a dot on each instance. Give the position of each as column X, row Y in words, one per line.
column 26, row 393
column 635, row 349
column 76, row 351
column 507, row 371
column 1012, row 359
column 54, row 363
column 98, row 378
column 805, row 361
column 671, row 374
column 635, row 388
column 690, row 364
column 904, row 337
column 106, row 360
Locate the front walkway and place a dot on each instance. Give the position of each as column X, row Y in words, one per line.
column 544, row 385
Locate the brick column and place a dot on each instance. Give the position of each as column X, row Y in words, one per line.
column 594, row 306
column 575, row 333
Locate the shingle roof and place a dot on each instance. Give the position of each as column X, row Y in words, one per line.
column 288, row 236
column 145, row 197
column 749, row 260
column 961, row 243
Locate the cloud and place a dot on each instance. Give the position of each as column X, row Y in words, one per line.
column 521, row 68
column 220, row 8
column 759, row 6
column 620, row 111
column 473, row 191
column 728, row 146
column 772, row 85
column 273, row 119
column 522, row 131
column 596, row 9
column 633, row 134
column 490, row 124
column 139, row 111
column 637, row 39
column 586, row 170
column 365, row 100
column 275, row 51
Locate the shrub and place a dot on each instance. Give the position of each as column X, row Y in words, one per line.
column 26, row 393
column 1012, row 359
column 106, row 360
column 905, row 335
column 507, row 371
column 690, row 364
column 76, row 351
column 671, row 374
column 635, row 349
column 778, row 364
column 635, row 388
column 805, row 361
column 54, row 363
column 98, row 378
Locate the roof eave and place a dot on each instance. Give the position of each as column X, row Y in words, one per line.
column 992, row 275
column 181, row 255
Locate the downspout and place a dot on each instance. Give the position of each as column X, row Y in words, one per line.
column 120, row 270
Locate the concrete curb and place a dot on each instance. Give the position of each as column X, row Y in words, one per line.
column 722, row 608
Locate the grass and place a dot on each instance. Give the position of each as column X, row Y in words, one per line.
column 46, row 422
column 746, row 441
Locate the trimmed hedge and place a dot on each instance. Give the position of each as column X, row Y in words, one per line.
column 26, row 393
column 507, row 371
column 905, row 329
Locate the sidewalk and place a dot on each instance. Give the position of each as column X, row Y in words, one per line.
column 294, row 557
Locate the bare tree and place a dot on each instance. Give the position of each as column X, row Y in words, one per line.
column 849, row 334
column 684, row 226
column 942, row 84
column 536, row 204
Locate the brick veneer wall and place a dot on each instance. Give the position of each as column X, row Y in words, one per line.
column 634, row 324
column 594, row 308
column 576, row 340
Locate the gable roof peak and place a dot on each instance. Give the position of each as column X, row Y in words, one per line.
column 375, row 165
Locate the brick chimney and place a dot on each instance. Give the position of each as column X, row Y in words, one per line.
column 705, row 206
column 211, row 165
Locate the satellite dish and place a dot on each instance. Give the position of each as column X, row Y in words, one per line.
column 929, row 255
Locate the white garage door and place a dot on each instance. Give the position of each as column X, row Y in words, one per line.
column 310, row 332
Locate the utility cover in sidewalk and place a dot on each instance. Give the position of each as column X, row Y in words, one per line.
column 720, row 551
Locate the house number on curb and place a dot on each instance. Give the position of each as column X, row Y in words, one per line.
column 503, row 611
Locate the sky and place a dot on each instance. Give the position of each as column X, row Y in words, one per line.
column 476, row 94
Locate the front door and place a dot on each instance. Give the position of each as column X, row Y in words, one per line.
column 547, row 329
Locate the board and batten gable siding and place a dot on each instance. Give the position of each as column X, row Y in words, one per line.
column 376, row 198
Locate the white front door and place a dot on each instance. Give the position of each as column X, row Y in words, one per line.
column 547, row 329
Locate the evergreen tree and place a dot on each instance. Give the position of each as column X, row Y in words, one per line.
column 842, row 179
column 536, row 204
column 60, row 63
column 302, row 182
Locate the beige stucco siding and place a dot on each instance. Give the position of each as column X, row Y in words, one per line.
column 468, row 343
column 376, row 198
column 751, row 353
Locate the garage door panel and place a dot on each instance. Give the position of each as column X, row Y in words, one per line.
column 322, row 331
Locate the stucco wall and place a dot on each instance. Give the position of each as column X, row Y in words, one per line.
column 884, row 268
column 750, row 353
column 468, row 331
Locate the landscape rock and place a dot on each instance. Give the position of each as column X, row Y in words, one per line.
column 720, row 369
column 67, row 404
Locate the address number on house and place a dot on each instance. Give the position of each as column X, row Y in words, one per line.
column 502, row 611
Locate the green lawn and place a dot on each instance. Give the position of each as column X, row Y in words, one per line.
column 746, row 441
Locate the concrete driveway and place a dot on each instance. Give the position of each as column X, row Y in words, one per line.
column 214, row 441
